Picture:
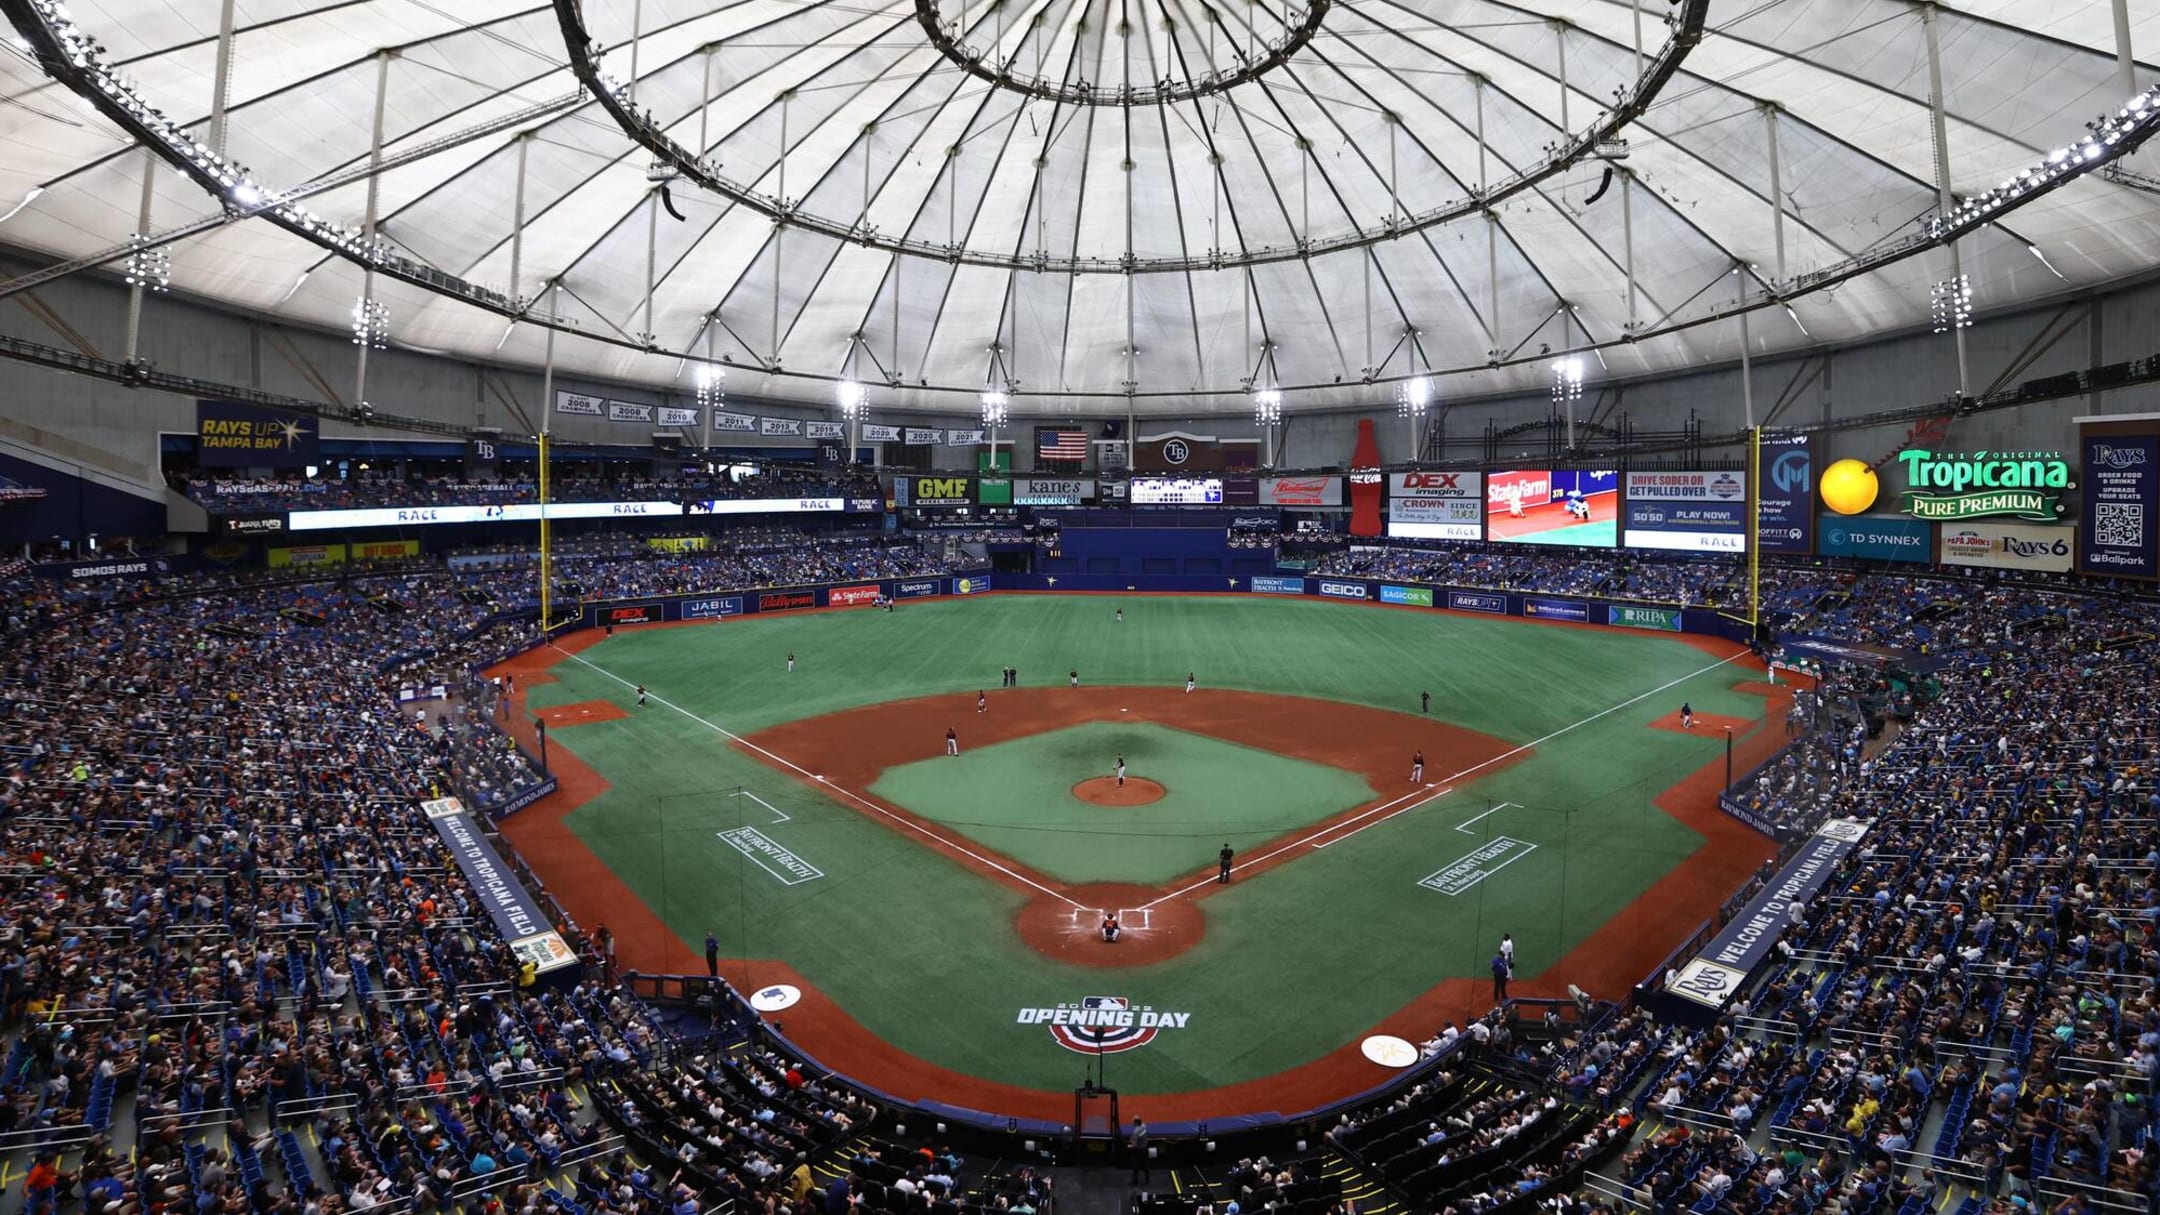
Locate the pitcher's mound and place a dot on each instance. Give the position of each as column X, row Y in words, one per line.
column 1105, row 791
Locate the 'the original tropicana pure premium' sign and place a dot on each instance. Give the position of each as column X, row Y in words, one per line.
column 2019, row 484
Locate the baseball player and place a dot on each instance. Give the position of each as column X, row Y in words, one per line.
column 1577, row 505
column 1190, row 683
column 1073, row 680
column 1687, row 716
column 1110, row 927
column 641, row 696
column 952, row 741
column 982, row 703
column 1417, row 768
column 791, row 660
column 1121, row 771
column 1424, row 702
column 1120, row 616
column 1225, row 857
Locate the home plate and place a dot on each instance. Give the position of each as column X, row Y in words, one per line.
column 1389, row 1051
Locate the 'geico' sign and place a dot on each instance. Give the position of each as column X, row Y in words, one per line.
column 1344, row 590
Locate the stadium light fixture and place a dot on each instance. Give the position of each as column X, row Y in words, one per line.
column 852, row 398
column 1567, row 379
column 996, row 408
column 370, row 323
column 709, row 381
column 1414, row 396
column 1267, row 407
column 1950, row 303
column 148, row 268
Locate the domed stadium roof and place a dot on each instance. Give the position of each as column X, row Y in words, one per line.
column 1077, row 199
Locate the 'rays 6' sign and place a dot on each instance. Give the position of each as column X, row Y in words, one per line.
column 1105, row 1024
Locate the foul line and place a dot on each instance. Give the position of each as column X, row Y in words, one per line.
column 790, row 765
column 1449, row 781
column 1376, row 822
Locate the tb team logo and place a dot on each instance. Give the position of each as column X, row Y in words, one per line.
column 1103, row 1024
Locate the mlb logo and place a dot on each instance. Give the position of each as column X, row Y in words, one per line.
column 1112, row 1002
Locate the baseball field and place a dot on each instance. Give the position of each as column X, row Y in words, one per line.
column 941, row 914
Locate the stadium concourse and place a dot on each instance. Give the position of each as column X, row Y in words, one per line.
column 241, row 975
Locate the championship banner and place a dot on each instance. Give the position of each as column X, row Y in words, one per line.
column 625, row 411
column 880, row 434
column 2009, row 546
column 1436, row 505
column 1785, row 501
column 827, row 430
column 1177, row 452
column 672, row 416
column 1751, row 936
column 516, row 914
column 579, row 405
column 964, row 438
column 229, row 434
column 919, row 437
column 2120, row 538
column 734, row 423
column 1692, row 512
column 1301, row 491
column 781, row 426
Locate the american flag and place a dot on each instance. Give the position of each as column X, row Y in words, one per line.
column 1070, row 445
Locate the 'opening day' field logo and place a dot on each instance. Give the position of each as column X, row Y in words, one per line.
column 1104, row 1024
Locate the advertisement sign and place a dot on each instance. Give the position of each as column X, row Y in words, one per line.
column 526, row 797
column 229, row 434
column 1878, row 538
column 780, row 426
column 1301, row 491
column 579, row 404
column 99, row 571
column 1785, row 501
column 1052, row 491
column 1556, row 609
column 383, row 550
column 1264, row 584
column 611, row 614
column 733, row 423
column 1663, row 619
column 671, row 416
column 529, row 512
column 1415, row 596
column 1344, row 590
column 1472, row 601
column 712, row 608
column 2009, row 546
column 1176, row 491
column 1750, row 937
column 1693, row 512
column 996, row 486
column 1436, row 505
column 971, row 586
column 307, row 554
column 2017, row 484
column 516, row 915
column 2122, row 492
column 1366, row 481
column 624, row 411
column 786, row 601
column 1241, row 491
column 853, row 596
column 1552, row 506
column 918, row 588
column 251, row 525
column 933, row 491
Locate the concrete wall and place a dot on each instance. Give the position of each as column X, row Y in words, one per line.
column 88, row 313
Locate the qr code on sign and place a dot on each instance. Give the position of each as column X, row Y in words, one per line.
column 2119, row 524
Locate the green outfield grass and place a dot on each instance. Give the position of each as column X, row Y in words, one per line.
column 1603, row 533
column 921, row 950
column 1016, row 798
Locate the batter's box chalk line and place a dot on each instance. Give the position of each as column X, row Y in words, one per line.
column 1089, row 919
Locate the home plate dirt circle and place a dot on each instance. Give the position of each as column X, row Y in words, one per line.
column 1105, row 791
column 1072, row 931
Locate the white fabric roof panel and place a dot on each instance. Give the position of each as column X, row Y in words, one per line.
column 871, row 101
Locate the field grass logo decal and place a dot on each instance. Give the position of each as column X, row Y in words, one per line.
column 1105, row 1024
